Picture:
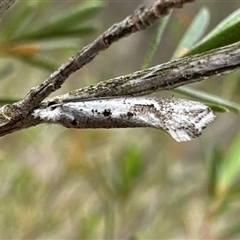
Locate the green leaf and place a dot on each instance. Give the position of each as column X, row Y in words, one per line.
column 230, row 21
column 232, row 232
column 6, row 70
column 89, row 224
column 131, row 166
column 77, row 15
column 214, row 165
column 230, row 168
column 67, row 24
column 57, row 45
column 194, row 32
column 227, row 32
column 60, row 33
column 21, row 19
column 41, row 62
column 6, row 100
column 155, row 41
column 217, row 108
column 209, row 98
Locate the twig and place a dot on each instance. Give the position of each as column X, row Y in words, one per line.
column 13, row 117
column 140, row 20
column 5, row 5
column 166, row 76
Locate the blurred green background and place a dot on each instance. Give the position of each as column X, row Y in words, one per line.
column 111, row 184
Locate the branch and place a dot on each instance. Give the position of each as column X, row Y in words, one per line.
column 165, row 76
column 67, row 109
column 17, row 116
column 140, row 20
column 5, row 5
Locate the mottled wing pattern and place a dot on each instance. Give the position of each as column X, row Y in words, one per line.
column 182, row 119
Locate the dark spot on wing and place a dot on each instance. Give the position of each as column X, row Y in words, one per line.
column 51, row 103
column 74, row 122
column 53, row 107
column 107, row 112
column 129, row 115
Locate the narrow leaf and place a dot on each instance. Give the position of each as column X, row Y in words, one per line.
column 6, row 100
column 5, row 71
column 155, row 41
column 40, row 62
column 230, row 168
column 227, row 32
column 194, row 32
column 209, row 98
column 232, row 232
column 131, row 164
column 57, row 44
column 67, row 24
column 75, row 16
column 60, row 33
column 22, row 17
column 214, row 164
column 218, row 108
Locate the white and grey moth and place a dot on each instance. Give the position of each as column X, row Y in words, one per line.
column 182, row 119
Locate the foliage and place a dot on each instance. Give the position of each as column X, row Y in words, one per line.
column 131, row 184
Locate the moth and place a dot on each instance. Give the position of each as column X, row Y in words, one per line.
column 182, row 119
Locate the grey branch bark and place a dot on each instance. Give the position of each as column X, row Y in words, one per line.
column 166, row 76
column 5, row 5
column 140, row 20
